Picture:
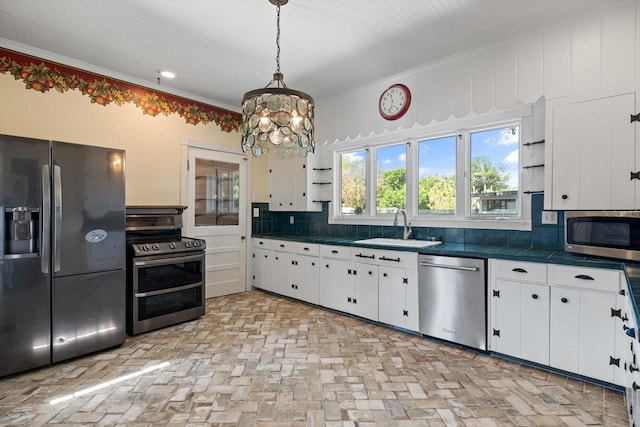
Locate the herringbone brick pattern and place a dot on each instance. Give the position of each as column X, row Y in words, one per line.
column 258, row 359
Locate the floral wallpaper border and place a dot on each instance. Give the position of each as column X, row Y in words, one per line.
column 41, row 75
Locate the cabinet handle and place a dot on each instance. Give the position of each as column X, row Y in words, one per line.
column 534, row 296
column 584, row 277
column 564, row 300
column 306, row 249
column 405, row 313
column 366, row 256
column 622, row 292
column 384, row 258
column 633, row 368
column 370, row 272
column 616, row 313
column 634, row 175
column 327, row 265
column 355, row 301
column 282, row 246
column 565, row 197
column 348, row 299
column 384, row 274
column 635, row 117
column 496, row 332
column 334, row 251
column 519, row 270
column 635, row 386
column 313, row 264
column 613, row 361
column 261, row 243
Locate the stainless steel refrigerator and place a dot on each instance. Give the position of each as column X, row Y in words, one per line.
column 62, row 251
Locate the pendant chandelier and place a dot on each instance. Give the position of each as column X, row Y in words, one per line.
column 277, row 118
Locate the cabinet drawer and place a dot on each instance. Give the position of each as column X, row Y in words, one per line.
column 334, row 252
column 587, row 278
column 401, row 259
column 533, row 272
column 282, row 246
column 261, row 243
column 301, row 248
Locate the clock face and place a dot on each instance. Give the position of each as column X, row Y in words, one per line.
column 394, row 102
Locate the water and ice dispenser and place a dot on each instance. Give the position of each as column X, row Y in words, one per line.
column 21, row 230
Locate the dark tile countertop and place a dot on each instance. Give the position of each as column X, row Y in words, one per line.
column 632, row 270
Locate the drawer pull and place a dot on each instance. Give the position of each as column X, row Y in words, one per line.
column 534, row 296
column 519, row 270
column 334, row 251
column 564, row 300
column 584, row 277
column 384, row 258
column 261, row 243
column 366, row 256
column 306, row 249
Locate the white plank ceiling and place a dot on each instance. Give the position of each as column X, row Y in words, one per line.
column 220, row 49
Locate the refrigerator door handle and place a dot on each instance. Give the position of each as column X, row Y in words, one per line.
column 45, row 237
column 57, row 216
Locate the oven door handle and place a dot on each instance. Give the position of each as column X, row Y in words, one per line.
column 167, row 260
column 167, row 291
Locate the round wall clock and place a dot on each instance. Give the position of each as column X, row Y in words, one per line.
column 394, row 101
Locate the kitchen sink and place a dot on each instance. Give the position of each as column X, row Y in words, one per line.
column 382, row 241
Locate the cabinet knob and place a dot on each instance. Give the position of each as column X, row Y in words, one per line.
column 564, row 300
column 534, row 296
column 565, row 197
column 384, row 274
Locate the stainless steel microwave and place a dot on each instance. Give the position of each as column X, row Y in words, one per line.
column 611, row 234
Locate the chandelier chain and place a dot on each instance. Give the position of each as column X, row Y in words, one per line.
column 278, row 41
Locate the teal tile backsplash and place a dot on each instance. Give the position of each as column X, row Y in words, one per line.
column 542, row 236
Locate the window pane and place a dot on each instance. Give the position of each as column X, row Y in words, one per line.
column 437, row 176
column 391, row 179
column 217, row 193
column 495, row 172
column 353, row 183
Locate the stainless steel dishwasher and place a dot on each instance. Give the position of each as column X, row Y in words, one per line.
column 453, row 299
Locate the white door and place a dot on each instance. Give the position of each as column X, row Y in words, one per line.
column 217, row 194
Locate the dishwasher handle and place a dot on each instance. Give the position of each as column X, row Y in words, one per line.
column 450, row 267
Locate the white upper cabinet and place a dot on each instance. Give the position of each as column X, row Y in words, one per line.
column 591, row 151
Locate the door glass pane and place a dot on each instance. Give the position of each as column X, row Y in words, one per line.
column 217, row 193
column 391, row 179
column 353, row 183
column 495, row 172
column 437, row 176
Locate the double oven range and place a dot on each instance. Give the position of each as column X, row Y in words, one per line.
column 165, row 270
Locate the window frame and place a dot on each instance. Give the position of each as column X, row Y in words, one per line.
column 462, row 128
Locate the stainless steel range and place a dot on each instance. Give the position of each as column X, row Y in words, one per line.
column 165, row 270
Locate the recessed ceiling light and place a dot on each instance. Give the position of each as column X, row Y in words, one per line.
column 167, row 74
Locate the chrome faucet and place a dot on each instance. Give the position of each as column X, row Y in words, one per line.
column 406, row 232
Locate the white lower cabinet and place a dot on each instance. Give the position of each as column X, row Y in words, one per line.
column 280, row 267
column 305, row 273
column 566, row 317
column 334, row 276
column 261, row 265
column 363, row 295
column 398, row 290
column 519, row 299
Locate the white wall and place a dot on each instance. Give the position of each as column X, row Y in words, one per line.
column 591, row 53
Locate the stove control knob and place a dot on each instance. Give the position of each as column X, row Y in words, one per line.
column 196, row 243
column 145, row 247
column 187, row 244
column 172, row 245
column 155, row 247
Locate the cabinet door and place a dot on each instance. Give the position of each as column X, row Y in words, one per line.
column 306, row 278
column 288, row 184
column 335, row 284
column 365, row 295
column 392, row 295
column 592, row 154
column 505, row 318
column 261, row 277
column 280, row 273
column 564, row 327
column 534, row 303
column 597, row 335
